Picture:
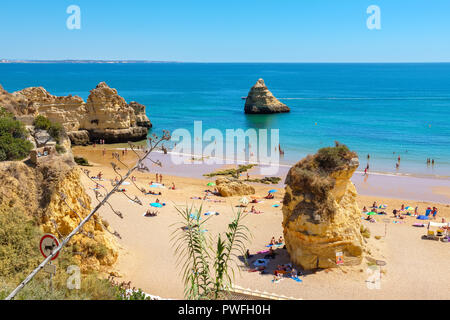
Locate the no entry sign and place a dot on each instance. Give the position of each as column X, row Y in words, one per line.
column 47, row 244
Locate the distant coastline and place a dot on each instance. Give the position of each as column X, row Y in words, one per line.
column 124, row 61
column 85, row 61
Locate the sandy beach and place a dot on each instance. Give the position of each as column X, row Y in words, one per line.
column 415, row 268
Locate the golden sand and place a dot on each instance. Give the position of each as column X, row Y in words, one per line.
column 415, row 269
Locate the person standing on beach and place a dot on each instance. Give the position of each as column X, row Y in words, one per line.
column 432, row 162
column 434, row 212
column 157, row 178
column 160, row 178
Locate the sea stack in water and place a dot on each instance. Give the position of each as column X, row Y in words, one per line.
column 261, row 101
column 320, row 214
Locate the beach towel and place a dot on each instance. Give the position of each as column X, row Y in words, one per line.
column 276, row 245
column 296, row 279
column 275, row 205
column 156, row 205
column 418, row 225
column 422, row 217
column 211, row 213
column 263, row 251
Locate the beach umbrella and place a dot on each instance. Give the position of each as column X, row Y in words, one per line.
column 272, row 191
column 156, row 205
column 371, row 213
column 382, row 206
column 409, row 208
column 244, row 201
column 211, row 184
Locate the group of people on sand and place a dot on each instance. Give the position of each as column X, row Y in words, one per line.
column 401, row 213
column 275, row 242
column 284, row 270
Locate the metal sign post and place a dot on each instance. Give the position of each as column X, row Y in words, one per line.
column 47, row 244
column 380, row 263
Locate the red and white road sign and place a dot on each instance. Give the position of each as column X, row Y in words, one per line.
column 48, row 243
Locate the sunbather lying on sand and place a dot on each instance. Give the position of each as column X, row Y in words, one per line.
column 151, row 213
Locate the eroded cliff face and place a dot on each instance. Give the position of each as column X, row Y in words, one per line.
column 105, row 115
column 320, row 213
column 261, row 101
column 37, row 191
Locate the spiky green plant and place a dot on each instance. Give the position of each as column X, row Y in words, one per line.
column 196, row 254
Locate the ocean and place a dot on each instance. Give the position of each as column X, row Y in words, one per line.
column 385, row 110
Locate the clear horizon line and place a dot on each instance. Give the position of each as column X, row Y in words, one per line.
column 5, row 61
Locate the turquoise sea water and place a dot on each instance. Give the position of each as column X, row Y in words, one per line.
column 384, row 110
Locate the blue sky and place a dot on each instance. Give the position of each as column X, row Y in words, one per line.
column 228, row 31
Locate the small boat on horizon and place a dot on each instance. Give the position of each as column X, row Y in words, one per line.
column 244, row 98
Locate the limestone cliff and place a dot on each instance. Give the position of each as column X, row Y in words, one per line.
column 105, row 115
column 37, row 191
column 320, row 213
column 261, row 100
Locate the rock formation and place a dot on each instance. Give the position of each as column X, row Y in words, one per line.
column 105, row 115
column 261, row 100
column 320, row 213
column 36, row 190
column 231, row 187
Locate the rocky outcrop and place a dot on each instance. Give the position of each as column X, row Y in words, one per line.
column 105, row 114
column 80, row 137
column 320, row 213
column 37, row 191
column 141, row 118
column 261, row 101
column 231, row 187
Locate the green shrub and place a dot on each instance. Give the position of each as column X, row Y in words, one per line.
column 333, row 157
column 60, row 149
column 42, row 123
column 54, row 129
column 82, row 161
column 18, row 243
column 13, row 142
